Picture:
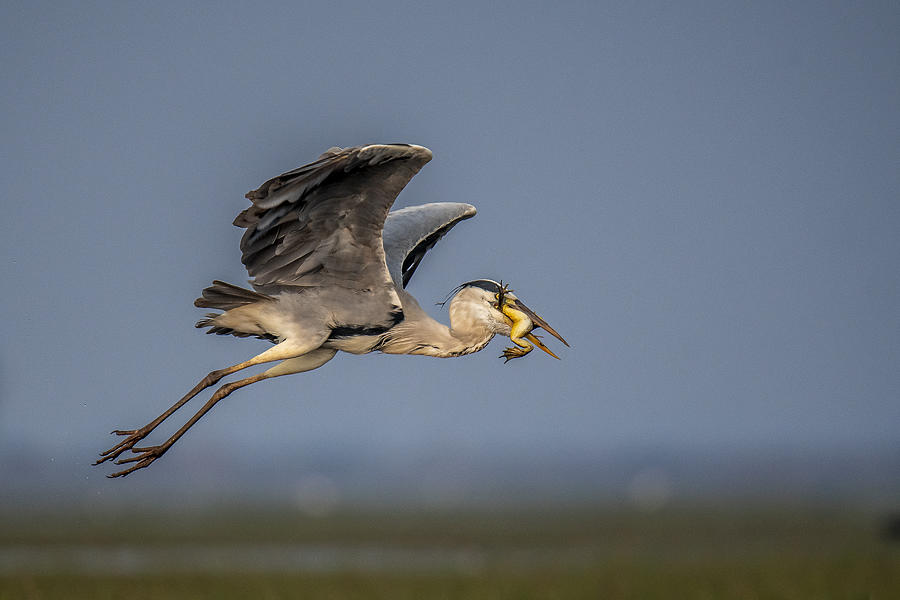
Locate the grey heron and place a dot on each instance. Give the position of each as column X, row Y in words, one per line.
column 329, row 266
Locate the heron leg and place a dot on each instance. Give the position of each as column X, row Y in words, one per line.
column 144, row 456
column 282, row 351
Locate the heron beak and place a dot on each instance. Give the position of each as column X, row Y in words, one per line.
column 537, row 342
column 538, row 322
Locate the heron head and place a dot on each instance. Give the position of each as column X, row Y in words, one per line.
column 507, row 314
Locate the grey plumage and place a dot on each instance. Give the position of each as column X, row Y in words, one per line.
column 329, row 264
column 408, row 234
column 323, row 233
column 411, row 232
column 226, row 296
column 320, row 224
column 316, row 231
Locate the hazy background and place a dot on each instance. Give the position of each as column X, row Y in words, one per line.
column 701, row 197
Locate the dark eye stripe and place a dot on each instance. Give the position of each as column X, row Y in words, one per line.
column 485, row 284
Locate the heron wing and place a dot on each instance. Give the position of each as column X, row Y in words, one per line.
column 411, row 232
column 320, row 225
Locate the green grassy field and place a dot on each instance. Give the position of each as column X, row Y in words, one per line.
column 675, row 553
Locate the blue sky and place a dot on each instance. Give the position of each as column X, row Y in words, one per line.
column 701, row 197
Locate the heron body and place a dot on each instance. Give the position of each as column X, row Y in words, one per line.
column 329, row 264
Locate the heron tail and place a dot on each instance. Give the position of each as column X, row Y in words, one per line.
column 236, row 320
column 225, row 296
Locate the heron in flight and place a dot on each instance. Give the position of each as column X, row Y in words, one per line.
column 329, row 266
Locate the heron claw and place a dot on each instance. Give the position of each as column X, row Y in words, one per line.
column 134, row 436
column 140, row 465
column 143, row 458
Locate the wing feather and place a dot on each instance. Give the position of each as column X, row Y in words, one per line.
column 409, row 233
column 321, row 224
column 318, row 229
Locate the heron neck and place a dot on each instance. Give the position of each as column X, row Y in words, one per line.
column 468, row 341
column 436, row 339
column 418, row 333
column 469, row 327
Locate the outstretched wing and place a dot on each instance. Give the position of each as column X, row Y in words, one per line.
column 320, row 225
column 411, row 232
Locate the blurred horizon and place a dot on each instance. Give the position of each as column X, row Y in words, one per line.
column 323, row 480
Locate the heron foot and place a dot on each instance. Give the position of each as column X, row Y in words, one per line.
column 134, row 436
column 514, row 352
column 143, row 457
